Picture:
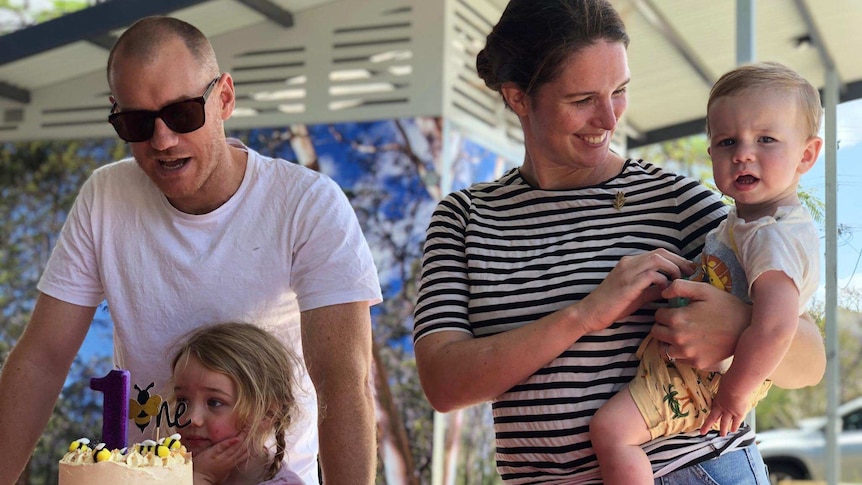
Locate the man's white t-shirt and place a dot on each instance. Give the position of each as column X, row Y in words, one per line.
column 287, row 241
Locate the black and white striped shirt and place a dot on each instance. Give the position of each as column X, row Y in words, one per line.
column 502, row 254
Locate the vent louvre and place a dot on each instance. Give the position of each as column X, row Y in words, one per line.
column 336, row 63
column 474, row 107
column 13, row 115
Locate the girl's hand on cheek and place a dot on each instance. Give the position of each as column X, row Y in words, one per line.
column 214, row 464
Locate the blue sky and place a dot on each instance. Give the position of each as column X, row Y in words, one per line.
column 849, row 193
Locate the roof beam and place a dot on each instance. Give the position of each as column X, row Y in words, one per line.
column 816, row 37
column 851, row 91
column 84, row 24
column 672, row 132
column 271, row 11
column 636, row 138
column 105, row 41
column 14, row 93
column 649, row 11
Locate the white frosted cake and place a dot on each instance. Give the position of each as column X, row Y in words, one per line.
column 144, row 464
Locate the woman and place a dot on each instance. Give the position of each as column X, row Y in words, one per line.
column 538, row 287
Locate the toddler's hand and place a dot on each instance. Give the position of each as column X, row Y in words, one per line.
column 727, row 413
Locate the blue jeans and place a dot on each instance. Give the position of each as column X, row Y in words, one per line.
column 739, row 467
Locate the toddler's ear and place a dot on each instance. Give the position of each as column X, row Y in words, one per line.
column 809, row 156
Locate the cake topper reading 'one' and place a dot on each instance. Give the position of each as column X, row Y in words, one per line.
column 147, row 406
column 116, row 404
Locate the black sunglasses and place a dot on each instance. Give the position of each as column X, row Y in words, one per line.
column 182, row 117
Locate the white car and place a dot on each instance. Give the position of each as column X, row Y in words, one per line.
column 801, row 453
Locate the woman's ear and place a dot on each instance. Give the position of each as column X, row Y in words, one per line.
column 515, row 98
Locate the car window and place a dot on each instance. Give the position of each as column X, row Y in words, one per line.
column 853, row 421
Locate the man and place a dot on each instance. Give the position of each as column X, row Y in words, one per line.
column 199, row 229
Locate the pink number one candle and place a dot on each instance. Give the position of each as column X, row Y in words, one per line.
column 115, row 407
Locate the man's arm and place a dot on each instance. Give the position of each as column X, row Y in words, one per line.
column 336, row 343
column 33, row 376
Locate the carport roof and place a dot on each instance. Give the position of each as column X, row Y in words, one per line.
column 52, row 74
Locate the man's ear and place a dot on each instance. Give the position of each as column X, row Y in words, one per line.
column 112, row 99
column 810, row 154
column 515, row 98
column 227, row 95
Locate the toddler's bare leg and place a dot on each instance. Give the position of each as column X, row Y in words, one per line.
column 617, row 430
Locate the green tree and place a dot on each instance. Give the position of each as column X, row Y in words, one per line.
column 24, row 13
column 686, row 156
column 783, row 408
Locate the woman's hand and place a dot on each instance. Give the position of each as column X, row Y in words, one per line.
column 213, row 465
column 703, row 333
column 634, row 281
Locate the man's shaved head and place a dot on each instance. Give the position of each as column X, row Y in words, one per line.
column 143, row 40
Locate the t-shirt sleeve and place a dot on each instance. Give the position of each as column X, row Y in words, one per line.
column 786, row 248
column 72, row 274
column 444, row 294
column 332, row 263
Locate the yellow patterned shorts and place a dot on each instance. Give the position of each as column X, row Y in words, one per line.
column 675, row 398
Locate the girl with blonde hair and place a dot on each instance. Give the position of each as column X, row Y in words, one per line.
column 237, row 384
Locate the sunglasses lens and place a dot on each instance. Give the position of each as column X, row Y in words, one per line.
column 181, row 117
column 184, row 116
column 133, row 126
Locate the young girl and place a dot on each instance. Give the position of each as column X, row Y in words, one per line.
column 237, row 383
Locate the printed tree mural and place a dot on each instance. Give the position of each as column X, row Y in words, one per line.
column 389, row 171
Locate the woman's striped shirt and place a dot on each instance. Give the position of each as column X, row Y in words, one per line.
column 502, row 254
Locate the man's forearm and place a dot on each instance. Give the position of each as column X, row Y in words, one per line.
column 348, row 439
column 27, row 397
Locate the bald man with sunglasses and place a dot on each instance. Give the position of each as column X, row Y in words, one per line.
column 198, row 229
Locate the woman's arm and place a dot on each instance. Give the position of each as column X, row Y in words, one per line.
column 807, row 362
column 458, row 370
column 706, row 331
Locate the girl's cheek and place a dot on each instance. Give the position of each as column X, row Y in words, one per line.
column 227, row 430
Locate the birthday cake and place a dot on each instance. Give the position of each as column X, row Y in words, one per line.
column 112, row 462
column 146, row 463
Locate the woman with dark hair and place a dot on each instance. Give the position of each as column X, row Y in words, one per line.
column 538, row 287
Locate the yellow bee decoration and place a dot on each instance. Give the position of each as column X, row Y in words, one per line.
column 80, row 444
column 100, row 453
column 172, row 442
column 157, row 449
column 145, row 407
